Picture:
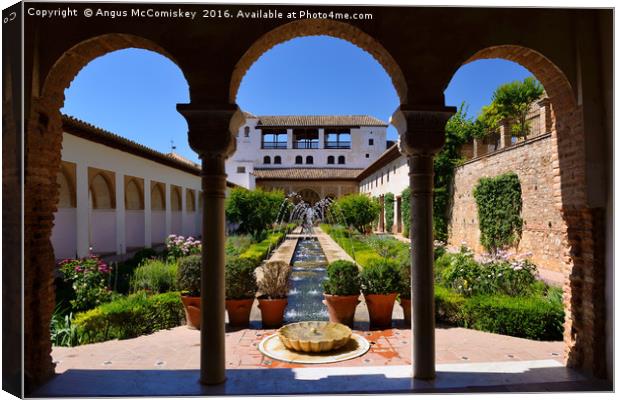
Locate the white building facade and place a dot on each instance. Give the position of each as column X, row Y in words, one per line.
column 117, row 196
column 306, row 141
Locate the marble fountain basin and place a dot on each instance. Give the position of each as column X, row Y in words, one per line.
column 314, row 336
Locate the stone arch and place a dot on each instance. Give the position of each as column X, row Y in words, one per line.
column 158, row 197
column 42, row 151
column 66, row 189
column 101, row 192
column 315, row 27
column 583, row 284
column 176, row 203
column 134, row 198
column 309, row 196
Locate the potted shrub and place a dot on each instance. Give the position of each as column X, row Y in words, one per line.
column 342, row 291
column 380, row 282
column 240, row 290
column 273, row 286
column 188, row 282
column 405, row 291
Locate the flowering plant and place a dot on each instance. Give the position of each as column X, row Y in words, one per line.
column 500, row 273
column 89, row 277
column 179, row 246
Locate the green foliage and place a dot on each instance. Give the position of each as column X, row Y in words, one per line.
column 388, row 201
column 254, row 210
column 406, row 211
column 237, row 244
column 466, row 276
column 274, row 283
column 63, row 331
column 499, row 211
column 358, row 249
column 155, row 276
column 449, row 306
column 130, row 316
column 380, row 277
column 388, row 248
column 123, row 271
column 257, row 252
column 188, row 275
column 526, row 317
column 240, row 279
column 358, row 210
column 404, row 269
column 459, row 130
column 342, row 279
column 89, row 278
column 512, row 101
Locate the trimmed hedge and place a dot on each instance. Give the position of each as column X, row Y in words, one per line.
column 259, row 251
column 361, row 252
column 130, row 316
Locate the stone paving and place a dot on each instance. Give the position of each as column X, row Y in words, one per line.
column 178, row 348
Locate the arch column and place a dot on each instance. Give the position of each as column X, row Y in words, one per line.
column 422, row 134
column 211, row 136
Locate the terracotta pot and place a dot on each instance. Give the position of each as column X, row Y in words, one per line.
column 406, row 305
column 191, row 305
column 239, row 311
column 380, row 307
column 341, row 308
column 272, row 312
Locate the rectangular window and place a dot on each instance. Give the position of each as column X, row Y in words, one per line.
column 274, row 139
column 306, row 138
column 337, row 138
column 371, row 142
column 241, row 170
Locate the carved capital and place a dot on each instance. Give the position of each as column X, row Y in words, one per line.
column 212, row 128
column 421, row 131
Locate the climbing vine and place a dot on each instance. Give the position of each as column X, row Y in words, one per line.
column 406, row 211
column 388, row 201
column 499, row 211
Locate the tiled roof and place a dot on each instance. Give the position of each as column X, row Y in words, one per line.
column 319, row 120
column 306, row 173
column 95, row 134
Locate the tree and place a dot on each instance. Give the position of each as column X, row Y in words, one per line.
column 254, row 210
column 388, row 204
column 512, row 101
column 358, row 210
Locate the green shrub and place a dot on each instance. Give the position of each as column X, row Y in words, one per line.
column 154, row 275
column 499, row 211
column 254, row 210
column 257, row 252
column 406, row 211
column 358, row 210
column 342, row 279
column 178, row 246
column 237, row 244
column 388, row 204
column 90, row 279
column 380, row 277
column 526, row 317
column 448, row 306
column 240, row 279
column 130, row 316
column 188, row 275
column 63, row 331
column 404, row 269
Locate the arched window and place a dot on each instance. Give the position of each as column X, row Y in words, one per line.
column 101, row 195
column 277, row 160
column 340, row 159
column 133, row 196
column 299, row 160
column 190, row 203
column 266, row 160
column 330, row 159
column 175, row 198
column 246, row 131
column 158, row 200
column 65, row 199
column 309, row 160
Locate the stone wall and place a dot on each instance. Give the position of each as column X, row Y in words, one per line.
column 543, row 227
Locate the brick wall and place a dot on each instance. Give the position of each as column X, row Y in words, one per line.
column 544, row 229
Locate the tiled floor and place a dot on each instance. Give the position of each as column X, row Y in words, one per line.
column 179, row 348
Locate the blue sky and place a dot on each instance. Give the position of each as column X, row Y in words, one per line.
column 134, row 92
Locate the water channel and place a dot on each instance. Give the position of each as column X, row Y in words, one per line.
column 305, row 298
